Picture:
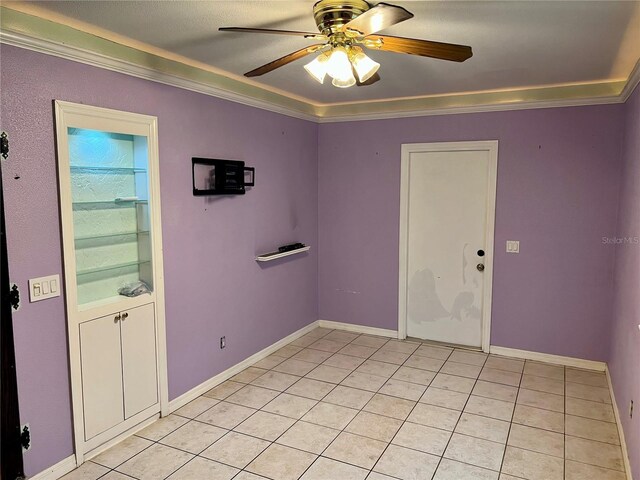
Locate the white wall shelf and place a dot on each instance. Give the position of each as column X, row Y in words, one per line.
column 267, row 257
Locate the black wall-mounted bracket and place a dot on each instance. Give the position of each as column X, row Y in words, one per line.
column 220, row 177
column 4, row 145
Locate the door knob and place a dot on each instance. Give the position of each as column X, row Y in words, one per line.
column 116, row 319
column 125, row 315
column 480, row 267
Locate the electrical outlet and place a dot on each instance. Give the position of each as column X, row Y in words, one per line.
column 25, row 437
column 223, row 342
column 631, row 409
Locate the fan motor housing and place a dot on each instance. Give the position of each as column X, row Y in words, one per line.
column 331, row 15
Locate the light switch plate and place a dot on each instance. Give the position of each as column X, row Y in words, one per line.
column 42, row 288
column 513, row 246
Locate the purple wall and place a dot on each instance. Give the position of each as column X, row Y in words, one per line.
column 558, row 176
column 624, row 359
column 213, row 285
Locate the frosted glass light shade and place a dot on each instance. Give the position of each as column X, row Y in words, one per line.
column 317, row 68
column 344, row 83
column 365, row 67
column 339, row 66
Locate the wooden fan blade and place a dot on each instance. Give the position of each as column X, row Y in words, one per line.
column 374, row 78
column 424, row 48
column 377, row 18
column 282, row 61
column 313, row 36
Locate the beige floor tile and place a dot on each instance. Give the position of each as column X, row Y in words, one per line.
column 222, row 391
column 201, row 468
column 341, row 336
column 86, row 471
column 264, row 425
column 225, row 415
column 162, row 427
column 452, row 382
column 505, row 393
column 193, row 437
column 325, row 373
column 328, row 415
column 589, row 409
column 461, row 369
column 295, row 367
column 507, row 364
column 112, row 475
column 402, row 346
column 507, row 477
column 355, row 449
column 398, row 388
column 500, row 376
column 359, row 351
column 374, row 426
column 433, row 416
column 489, row 407
column 414, row 375
column 326, row 345
column 308, row 437
column 423, row 438
column 248, row 375
column 290, row 405
column 312, row 356
column 377, row 476
column 483, row 427
column 531, row 465
column 586, row 377
column 544, row 370
column 248, row 476
column 155, row 462
column 471, row 358
column 276, row 380
column 235, row 449
column 370, row 341
column 319, row 332
column 433, row 351
column 252, row 396
column 304, row 341
column 380, row 369
column 389, row 406
column 288, row 351
column 592, row 429
column 388, row 356
column 406, row 464
column 309, row 388
column 282, row 463
column 347, row 362
column 542, row 384
column 327, row 469
column 196, row 407
column 445, row 398
column 364, row 381
column 547, row 401
column 452, row 470
column 537, row 440
column 587, row 392
column 582, row 471
column 348, row 397
column 122, row 451
column 424, row 363
column 475, row 451
column 539, row 418
column 594, row 453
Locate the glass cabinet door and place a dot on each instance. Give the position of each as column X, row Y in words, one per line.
column 111, row 216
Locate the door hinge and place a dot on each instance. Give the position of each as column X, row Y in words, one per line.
column 25, row 437
column 4, row 145
column 14, row 297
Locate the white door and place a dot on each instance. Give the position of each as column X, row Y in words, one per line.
column 139, row 372
column 449, row 198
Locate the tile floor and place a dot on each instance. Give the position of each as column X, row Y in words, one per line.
column 334, row 405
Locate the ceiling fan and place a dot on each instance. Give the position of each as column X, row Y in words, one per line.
column 345, row 27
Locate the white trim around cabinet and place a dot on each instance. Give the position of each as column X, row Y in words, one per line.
column 491, row 146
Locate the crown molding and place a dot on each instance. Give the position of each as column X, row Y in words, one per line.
column 45, row 36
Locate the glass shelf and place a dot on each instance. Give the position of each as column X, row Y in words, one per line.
column 120, row 170
column 110, row 235
column 106, row 204
column 111, row 267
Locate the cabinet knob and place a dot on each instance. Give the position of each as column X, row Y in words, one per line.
column 116, row 319
column 125, row 315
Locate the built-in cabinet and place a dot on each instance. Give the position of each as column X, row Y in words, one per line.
column 110, row 212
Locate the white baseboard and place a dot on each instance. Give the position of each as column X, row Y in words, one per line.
column 547, row 357
column 195, row 392
column 616, row 412
column 351, row 327
column 58, row 470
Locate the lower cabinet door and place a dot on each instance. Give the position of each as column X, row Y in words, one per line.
column 100, row 357
column 139, row 359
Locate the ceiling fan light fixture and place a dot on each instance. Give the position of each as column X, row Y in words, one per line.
column 339, row 66
column 344, row 83
column 364, row 66
column 317, row 68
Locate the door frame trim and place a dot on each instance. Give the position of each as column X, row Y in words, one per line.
column 490, row 146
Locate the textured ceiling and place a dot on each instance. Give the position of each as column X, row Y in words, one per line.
column 516, row 44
